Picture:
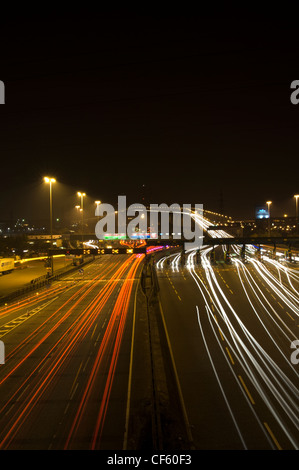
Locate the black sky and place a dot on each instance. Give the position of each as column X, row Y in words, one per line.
column 179, row 108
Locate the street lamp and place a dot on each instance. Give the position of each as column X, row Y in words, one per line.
column 268, row 204
column 78, row 216
column 296, row 199
column 82, row 195
column 50, row 181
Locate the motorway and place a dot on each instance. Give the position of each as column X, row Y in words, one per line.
column 65, row 349
column 230, row 329
column 71, row 381
column 29, row 271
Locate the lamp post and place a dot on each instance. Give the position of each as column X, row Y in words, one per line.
column 82, row 195
column 296, row 199
column 269, row 229
column 77, row 219
column 97, row 203
column 50, row 181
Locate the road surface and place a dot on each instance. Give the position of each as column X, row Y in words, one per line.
column 230, row 329
column 65, row 377
column 27, row 272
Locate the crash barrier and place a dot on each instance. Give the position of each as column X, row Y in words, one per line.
column 41, row 281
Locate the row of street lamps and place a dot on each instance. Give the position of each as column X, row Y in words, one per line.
column 51, row 181
column 296, row 196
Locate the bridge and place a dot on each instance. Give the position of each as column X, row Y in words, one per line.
column 207, row 241
column 97, row 251
column 251, row 241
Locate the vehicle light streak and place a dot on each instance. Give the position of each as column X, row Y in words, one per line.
column 85, row 289
column 112, row 335
column 121, row 310
column 161, row 261
column 264, row 358
column 261, row 370
column 283, row 293
column 274, row 388
column 219, row 381
column 84, row 323
column 28, row 301
column 256, row 289
column 244, row 391
column 175, row 263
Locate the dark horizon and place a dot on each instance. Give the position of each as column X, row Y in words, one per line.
column 187, row 110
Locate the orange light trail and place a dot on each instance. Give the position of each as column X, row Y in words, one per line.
column 84, row 324
column 121, row 308
column 87, row 288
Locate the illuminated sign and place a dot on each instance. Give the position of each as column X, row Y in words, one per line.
column 97, row 251
column 115, row 236
column 261, row 213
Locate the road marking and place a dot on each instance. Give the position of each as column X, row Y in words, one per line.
column 229, row 355
column 290, row 316
column 24, row 391
column 18, row 321
column 95, row 327
column 125, row 443
column 246, row 390
column 74, row 391
column 65, row 410
column 219, row 329
column 272, row 436
column 75, row 380
column 187, row 424
column 86, row 363
column 221, row 334
column 97, row 339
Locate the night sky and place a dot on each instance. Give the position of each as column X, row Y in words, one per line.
column 175, row 109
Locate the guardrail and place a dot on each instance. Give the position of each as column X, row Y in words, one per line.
column 41, row 281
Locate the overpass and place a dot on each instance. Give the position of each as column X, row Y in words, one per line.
column 97, row 251
column 289, row 241
column 207, row 240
